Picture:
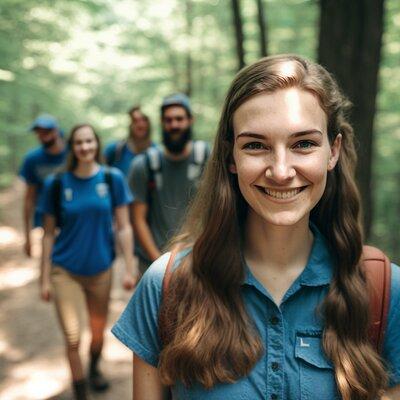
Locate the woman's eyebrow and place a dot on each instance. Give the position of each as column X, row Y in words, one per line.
column 250, row 134
column 263, row 137
column 306, row 132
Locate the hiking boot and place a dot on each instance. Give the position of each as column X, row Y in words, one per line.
column 97, row 381
column 80, row 390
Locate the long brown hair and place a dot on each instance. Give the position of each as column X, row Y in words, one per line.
column 210, row 337
column 72, row 161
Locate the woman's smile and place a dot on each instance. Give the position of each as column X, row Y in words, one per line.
column 282, row 195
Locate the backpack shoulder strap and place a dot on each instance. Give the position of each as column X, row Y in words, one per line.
column 154, row 177
column 108, row 179
column 199, row 152
column 119, row 148
column 57, row 197
column 116, row 154
column 378, row 274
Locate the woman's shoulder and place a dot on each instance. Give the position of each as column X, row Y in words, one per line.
column 156, row 272
column 395, row 284
column 394, row 304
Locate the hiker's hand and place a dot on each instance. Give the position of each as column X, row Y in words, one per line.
column 45, row 290
column 28, row 247
column 129, row 281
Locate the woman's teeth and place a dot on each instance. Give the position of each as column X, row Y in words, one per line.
column 282, row 194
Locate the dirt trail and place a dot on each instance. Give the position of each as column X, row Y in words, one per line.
column 32, row 362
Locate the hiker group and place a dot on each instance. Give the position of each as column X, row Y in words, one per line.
column 83, row 203
column 266, row 289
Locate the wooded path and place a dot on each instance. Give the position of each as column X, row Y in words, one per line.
column 32, row 362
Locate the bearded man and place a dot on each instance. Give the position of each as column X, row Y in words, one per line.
column 37, row 164
column 163, row 180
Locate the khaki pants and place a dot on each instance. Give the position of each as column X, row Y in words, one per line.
column 71, row 294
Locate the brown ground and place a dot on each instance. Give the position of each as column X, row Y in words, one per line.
column 32, row 362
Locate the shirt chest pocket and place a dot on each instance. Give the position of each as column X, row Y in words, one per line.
column 317, row 376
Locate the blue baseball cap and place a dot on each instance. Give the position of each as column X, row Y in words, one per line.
column 177, row 99
column 44, row 121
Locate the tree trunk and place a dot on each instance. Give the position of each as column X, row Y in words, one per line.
column 189, row 63
column 237, row 23
column 262, row 27
column 350, row 47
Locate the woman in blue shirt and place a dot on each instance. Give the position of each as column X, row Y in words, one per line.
column 268, row 298
column 82, row 203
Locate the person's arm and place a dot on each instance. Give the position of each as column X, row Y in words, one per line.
column 125, row 238
column 28, row 210
column 142, row 230
column 146, row 381
column 49, row 226
column 392, row 393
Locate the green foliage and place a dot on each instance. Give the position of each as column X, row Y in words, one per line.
column 386, row 166
column 90, row 60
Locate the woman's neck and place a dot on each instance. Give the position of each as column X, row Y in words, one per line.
column 277, row 247
column 86, row 169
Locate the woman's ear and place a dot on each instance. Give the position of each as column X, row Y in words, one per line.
column 232, row 168
column 335, row 152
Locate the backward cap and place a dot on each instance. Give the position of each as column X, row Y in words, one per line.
column 177, row 99
column 44, row 121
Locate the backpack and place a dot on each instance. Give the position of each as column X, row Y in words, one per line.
column 57, row 193
column 198, row 159
column 116, row 155
column 377, row 270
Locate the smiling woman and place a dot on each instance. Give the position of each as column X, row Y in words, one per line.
column 83, row 202
column 268, row 298
column 283, row 155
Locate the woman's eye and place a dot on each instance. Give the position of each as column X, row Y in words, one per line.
column 304, row 144
column 253, row 146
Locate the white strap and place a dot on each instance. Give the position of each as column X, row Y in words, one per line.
column 199, row 151
column 154, row 158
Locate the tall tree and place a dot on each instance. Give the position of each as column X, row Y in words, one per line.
column 350, row 47
column 238, row 25
column 189, row 63
column 262, row 27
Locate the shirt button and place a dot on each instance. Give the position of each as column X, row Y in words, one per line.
column 274, row 366
column 274, row 320
column 274, row 396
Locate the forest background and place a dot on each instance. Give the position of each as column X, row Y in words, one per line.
column 89, row 61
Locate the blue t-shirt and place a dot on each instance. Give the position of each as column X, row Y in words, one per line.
column 294, row 365
column 85, row 243
column 36, row 166
column 122, row 161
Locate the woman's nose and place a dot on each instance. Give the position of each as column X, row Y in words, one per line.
column 280, row 168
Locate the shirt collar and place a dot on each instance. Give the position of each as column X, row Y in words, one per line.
column 319, row 268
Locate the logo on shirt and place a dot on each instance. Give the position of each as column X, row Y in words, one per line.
column 102, row 189
column 68, row 194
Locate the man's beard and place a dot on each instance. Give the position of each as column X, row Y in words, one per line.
column 48, row 144
column 177, row 146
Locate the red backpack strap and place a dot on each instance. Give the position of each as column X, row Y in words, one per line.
column 378, row 273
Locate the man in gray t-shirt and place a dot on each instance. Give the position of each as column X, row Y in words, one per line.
column 163, row 180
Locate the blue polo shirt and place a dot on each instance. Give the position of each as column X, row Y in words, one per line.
column 36, row 166
column 294, row 365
